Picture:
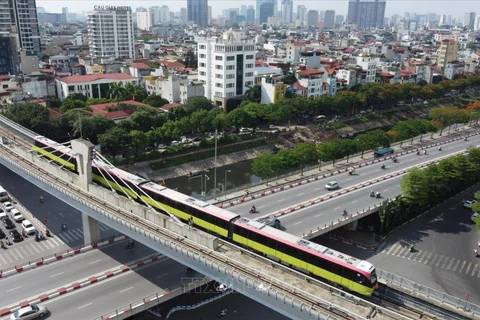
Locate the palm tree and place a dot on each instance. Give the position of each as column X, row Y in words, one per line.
column 254, row 93
column 117, row 92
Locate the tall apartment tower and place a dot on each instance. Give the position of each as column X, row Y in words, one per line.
column 197, row 11
column 447, row 52
column 469, row 20
column 287, row 11
column 226, row 65
column 329, row 19
column 259, row 4
column 145, row 20
column 366, row 14
column 111, row 32
column 312, row 18
column 19, row 17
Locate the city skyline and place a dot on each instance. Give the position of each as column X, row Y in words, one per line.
column 340, row 6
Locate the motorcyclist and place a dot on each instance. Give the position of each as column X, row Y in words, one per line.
column 476, row 252
column 223, row 311
column 47, row 232
column 412, row 248
column 345, row 211
column 372, row 194
column 465, row 139
column 383, row 166
column 64, row 226
column 253, row 209
column 425, row 152
column 418, row 153
column 41, row 198
column 439, row 148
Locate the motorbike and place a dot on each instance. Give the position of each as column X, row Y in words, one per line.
column 47, row 233
column 63, row 227
column 383, row 167
column 395, row 160
column 222, row 313
column 412, row 248
column 372, row 194
column 130, row 245
column 253, row 210
column 440, row 149
column 418, row 153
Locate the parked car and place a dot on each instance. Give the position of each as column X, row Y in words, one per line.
column 474, row 216
column 33, row 311
column 3, row 214
column 8, row 206
column 468, row 203
column 175, row 143
column 15, row 235
column 197, row 139
column 8, row 223
column 28, row 227
column 245, row 130
column 17, row 215
column 162, row 146
column 2, row 234
column 332, row 185
column 272, row 127
column 187, row 141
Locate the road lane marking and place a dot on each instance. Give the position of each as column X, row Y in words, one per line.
column 423, row 256
column 259, row 207
column 318, row 215
column 463, row 266
column 281, row 200
column 337, row 208
column 297, row 223
column 126, row 290
column 407, row 252
column 95, row 261
column 22, row 250
column 474, row 270
column 386, row 190
column 62, row 238
column 4, row 261
column 88, row 304
column 440, row 259
column 433, row 260
column 445, row 262
column 355, row 201
column 162, row 275
column 317, row 189
column 456, row 265
column 27, row 248
column 57, row 274
column 13, row 289
column 428, row 258
column 395, row 252
column 451, row 263
column 77, row 233
column 468, row 268
column 300, row 194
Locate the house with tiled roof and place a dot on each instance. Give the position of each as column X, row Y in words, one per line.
column 91, row 86
column 115, row 115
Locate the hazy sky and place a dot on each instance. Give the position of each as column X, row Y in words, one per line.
column 453, row 7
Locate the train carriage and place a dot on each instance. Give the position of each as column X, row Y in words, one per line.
column 349, row 272
column 205, row 216
column 56, row 152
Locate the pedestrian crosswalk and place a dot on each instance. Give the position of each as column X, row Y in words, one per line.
column 402, row 250
column 30, row 250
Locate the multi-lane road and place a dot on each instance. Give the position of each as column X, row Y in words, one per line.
column 330, row 210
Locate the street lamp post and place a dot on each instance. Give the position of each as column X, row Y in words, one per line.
column 205, row 189
column 201, row 183
column 319, row 165
column 225, row 183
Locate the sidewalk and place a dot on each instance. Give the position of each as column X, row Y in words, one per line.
column 328, row 169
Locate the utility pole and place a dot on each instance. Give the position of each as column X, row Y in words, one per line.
column 215, row 168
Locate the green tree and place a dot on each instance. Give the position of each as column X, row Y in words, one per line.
column 254, row 93
column 308, row 151
column 136, row 93
column 91, row 127
column 289, row 78
column 202, row 121
column 72, row 104
column 197, row 103
column 241, row 118
column 220, row 122
column 34, row 117
column 264, row 165
column 114, row 139
column 76, row 96
column 117, row 92
column 155, row 101
column 54, row 102
column 93, row 101
column 415, row 187
column 139, row 139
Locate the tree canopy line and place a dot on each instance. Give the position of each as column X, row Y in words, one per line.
column 423, row 189
column 147, row 126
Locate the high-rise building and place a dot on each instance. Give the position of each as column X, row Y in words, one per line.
column 197, row 12
column 469, row 20
column 157, row 10
column 226, row 66
column 339, row 19
column 287, row 11
column 145, row 20
column 183, row 14
column 301, row 13
column 259, row 4
column 366, row 14
column 243, row 10
column 22, row 14
column 321, row 15
column 442, row 20
column 477, row 23
column 65, row 12
column 329, row 19
column 8, row 56
column 447, row 52
column 111, row 32
column 267, row 9
column 165, row 14
column 312, row 18
column 251, row 14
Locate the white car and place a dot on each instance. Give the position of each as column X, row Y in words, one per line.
column 8, row 206
column 175, row 143
column 31, row 312
column 332, row 185
column 473, row 217
column 28, row 227
column 272, row 127
column 468, row 203
column 162, row 146
column 16, row 215
column 3, row 214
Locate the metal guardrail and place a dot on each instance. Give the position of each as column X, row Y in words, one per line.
column 430, row 293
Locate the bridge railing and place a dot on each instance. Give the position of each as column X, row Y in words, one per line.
column 430, row 293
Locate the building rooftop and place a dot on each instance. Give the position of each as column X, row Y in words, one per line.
column 95, row 77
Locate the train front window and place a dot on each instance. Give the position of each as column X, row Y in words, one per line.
column 373, row 278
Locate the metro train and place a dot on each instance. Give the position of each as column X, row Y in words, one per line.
column 308, row 257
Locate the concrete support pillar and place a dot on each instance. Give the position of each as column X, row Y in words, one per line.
column 91, row 230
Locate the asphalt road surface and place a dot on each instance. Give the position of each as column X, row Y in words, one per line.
column 285, row 199
column 444, row 241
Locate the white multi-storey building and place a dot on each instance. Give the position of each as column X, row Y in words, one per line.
column 111, row 32
column 145, row 20
column 226, row 65
column 369, row 65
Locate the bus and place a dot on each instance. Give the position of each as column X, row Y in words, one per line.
column 383, row 152
column 3, row 195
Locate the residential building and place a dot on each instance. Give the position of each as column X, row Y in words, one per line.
column 273, row 90
column 183, row 14
column 226, row 65
column 20, row 18
column 312, row 81
column 111, row 32
column 190, row 89
column 311, row 59
column 366, row 14
column 369, row 65
column 329, row 19
column 145, row 20
column 469, row 20
column 312, row 18
column 261, row 72
column 197, row 12
column 8, row 56
column 447, row 52
column 92, row 86
column 453, row 69
column 250, row 14
column 52, row 17
column 292, row 51
column 267, row 10
column 165, row 14
column 287, row 11
column 301, row 13
column 339, row 19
